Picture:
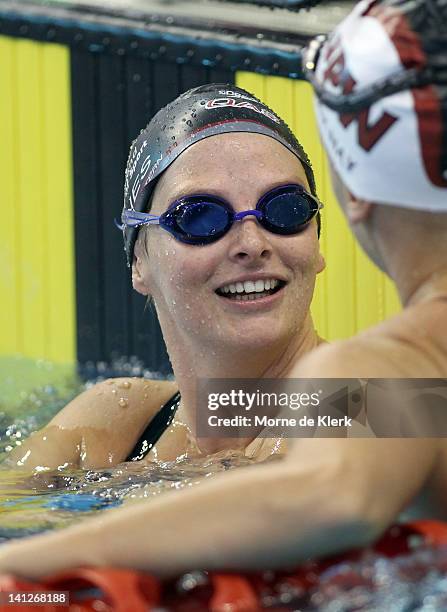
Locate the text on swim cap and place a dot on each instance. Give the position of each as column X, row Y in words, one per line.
column 231, row 102
column 131, row 168
column 337, row 73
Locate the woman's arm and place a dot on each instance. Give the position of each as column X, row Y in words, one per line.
column 329, row 495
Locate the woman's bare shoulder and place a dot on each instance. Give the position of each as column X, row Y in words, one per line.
column 98, row 427
column 411, row 344
column 364, row 356
column 123, row 400
column 112, row 415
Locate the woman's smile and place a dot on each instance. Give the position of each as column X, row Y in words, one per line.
column 253, row 293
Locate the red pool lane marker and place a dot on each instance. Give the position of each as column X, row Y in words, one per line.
column 123, row 590
column 435, row 532
column 232, row 593
column 130, row 591
column 12, row 584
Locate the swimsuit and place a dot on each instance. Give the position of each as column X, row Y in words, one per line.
column 155, row 429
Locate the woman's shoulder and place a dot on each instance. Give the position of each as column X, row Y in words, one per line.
column 411, row 344
column 97, row 428
column 113, row 413
column 116, row 398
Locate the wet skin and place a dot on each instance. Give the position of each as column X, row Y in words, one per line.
column 183, row 278
column 208, row 335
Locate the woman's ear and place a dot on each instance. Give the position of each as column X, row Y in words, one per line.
column 357, row 210
column 139, row 269
column 321, row 262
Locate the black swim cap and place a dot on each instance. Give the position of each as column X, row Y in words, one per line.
column 199, row 113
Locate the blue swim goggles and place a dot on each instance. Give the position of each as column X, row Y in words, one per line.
column 202, row 219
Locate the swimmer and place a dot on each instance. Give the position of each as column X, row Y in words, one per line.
column 232, row 289
column 328, row 495
column 232, row 293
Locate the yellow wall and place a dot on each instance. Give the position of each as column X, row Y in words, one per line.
column 37, row 277
column 351, row 294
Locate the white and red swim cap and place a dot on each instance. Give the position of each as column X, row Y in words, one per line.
column 381, row 85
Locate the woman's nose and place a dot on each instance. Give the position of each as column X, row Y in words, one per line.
column 249, row 241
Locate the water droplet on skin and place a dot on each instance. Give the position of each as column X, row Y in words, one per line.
column 123, row 403
column 125, row 384
column 114, row 391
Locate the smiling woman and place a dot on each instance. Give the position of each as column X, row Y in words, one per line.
column 220, row 225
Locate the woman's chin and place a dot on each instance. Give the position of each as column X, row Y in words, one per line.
column 256, row 336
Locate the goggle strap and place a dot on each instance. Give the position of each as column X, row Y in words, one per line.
column 133, row 218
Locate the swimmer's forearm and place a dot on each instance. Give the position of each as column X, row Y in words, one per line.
column 250, row 520
column 228, row 523
column 328, row 496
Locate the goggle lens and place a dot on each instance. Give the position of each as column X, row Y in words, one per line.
column 287, row 212
column 202, row 219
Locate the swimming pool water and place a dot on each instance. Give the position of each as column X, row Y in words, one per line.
column 34, row 502
column 31, row 502
column 415, row 582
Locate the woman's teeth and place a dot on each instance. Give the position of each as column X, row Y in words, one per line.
column 253, row 296
column 249, row 290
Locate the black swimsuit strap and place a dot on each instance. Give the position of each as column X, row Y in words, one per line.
column 155, row 429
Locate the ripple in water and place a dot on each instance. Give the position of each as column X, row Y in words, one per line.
column 38, row 501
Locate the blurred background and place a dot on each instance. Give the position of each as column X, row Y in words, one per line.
column 78, row 82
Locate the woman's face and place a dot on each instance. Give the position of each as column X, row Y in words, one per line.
column 187, row 281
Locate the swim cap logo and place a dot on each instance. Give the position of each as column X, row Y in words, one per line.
column 131, row 169
column 232, row 103
column 368, row 135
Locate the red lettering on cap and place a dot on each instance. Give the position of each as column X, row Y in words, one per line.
column 368, row 135
column 428, row 104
